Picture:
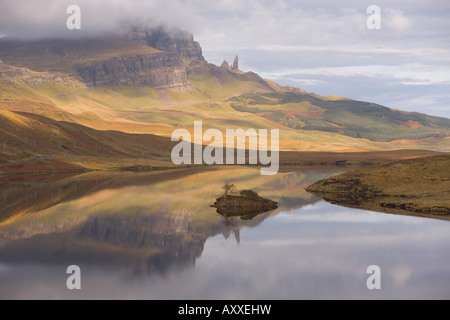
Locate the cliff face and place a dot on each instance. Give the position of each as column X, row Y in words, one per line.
column 160, row 71
column 175, row 41
column 159, row 58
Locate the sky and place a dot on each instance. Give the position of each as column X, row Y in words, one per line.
column 321, row 46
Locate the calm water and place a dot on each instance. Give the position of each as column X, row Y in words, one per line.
column 155, row 236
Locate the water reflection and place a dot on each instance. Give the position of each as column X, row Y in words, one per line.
column 155, row 236
column 150, row 223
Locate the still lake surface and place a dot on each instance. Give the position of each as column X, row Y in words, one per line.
column 155, row 236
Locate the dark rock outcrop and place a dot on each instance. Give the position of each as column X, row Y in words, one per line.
column 160, row 71
column 175, row 41
column 236, row 63
column 225, row 65
column 234, row 67
column 239, row 205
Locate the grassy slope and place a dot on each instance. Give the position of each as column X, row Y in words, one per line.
column 414, row 187
column 30, row 142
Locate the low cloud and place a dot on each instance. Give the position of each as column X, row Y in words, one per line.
column 395, row 19
column 29, row 19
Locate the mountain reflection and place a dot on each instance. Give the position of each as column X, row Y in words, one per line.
column 148, row 223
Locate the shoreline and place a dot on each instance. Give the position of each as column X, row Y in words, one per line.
column 289, row 161
column 415, row 187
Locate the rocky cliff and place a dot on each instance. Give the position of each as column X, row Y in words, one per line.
column 159, row 58
column 164, row 70
column 160, row 71
column 128, row 59
column 175, row 41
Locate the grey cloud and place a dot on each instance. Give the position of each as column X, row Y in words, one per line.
column 47, row 18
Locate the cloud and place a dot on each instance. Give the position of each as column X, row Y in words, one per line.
column 401, row 275
column 47, row 18
column 396, row 20
column 326, row 48
column 407, row 74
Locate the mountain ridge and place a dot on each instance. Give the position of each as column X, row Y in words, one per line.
column 120, row 82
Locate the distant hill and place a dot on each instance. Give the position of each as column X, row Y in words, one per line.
column 347, row 117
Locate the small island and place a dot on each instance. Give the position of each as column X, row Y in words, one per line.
column 246, row 203
column 417, row 187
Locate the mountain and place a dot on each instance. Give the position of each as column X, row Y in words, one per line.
column 150, row 81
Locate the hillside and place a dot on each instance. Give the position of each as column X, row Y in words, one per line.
column 418, row 187
column 32, row 143
column 347, row 117
column 152, row 81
